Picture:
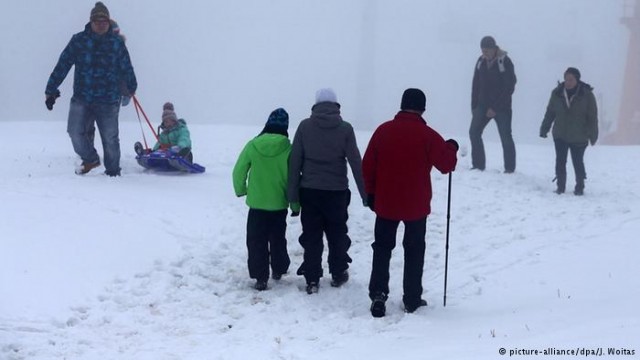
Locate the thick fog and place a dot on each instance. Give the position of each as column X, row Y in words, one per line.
column 235, row 61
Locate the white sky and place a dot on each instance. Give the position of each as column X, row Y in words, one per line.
column 235, row 61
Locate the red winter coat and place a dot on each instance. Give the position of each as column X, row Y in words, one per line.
column 397, row 166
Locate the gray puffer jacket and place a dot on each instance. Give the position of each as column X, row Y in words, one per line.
column 321, row 147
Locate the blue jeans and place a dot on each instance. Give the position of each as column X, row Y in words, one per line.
column 80, row 128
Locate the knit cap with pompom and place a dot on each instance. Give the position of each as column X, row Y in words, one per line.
column 168, row 112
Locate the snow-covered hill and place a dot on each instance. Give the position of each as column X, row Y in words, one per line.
column 153, row 266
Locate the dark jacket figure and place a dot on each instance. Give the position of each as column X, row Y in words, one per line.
column 102, row 68
column 396, row 169
column 573, row 111
column 322, row 145
column 261, row 173
column 494, row 81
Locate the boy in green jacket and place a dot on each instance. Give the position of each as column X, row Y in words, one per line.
column 261, row 174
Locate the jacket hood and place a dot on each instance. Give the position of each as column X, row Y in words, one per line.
column 271, row 145
column 582, row 88
column 499, row 54
column 179, row 124
column 87, row 29
column 326, row 115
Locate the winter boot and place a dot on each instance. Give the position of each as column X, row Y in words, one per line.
column 112, row 173
column 260, row 285
column 561, row 181
column 579, row 189
column 276, row 276
column 85, row 167
column 339, row 279
column 312, row 287
column 411, row 307
column 137, row 147
column 378, row 308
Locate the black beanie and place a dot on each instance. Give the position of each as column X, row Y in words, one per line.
column 573, row 71
column 413, row 99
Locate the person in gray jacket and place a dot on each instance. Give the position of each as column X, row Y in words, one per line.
column 321, row 147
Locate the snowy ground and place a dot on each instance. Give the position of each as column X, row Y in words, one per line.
column 153, row 266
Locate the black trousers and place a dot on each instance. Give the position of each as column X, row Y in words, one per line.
column 577, row 158
column 324, row 212
column 478, row 122
column 414, row 249
column 267, row 243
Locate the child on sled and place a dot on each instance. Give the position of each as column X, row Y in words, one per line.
column 173, row 135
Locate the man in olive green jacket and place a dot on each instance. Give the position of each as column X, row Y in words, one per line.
column 263, row 164
column 573, row 111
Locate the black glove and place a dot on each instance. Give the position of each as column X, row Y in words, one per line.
column 454, row 143
column 295, row 213
column 51, row 99
column 371, row 200
column 543, row 135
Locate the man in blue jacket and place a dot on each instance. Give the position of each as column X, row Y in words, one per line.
column 102, row 67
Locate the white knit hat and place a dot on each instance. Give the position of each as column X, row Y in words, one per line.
column 326, row 95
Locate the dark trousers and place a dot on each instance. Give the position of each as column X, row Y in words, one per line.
column 577, row 158
column 414, row 248
column 478, row 122
column 267, row 243
column 324, row 212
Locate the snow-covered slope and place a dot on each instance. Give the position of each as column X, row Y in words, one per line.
column 153, row 266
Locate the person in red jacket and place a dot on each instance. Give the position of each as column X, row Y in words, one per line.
column 396, row 170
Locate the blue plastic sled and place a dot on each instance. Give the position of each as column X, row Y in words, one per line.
column 165, row 161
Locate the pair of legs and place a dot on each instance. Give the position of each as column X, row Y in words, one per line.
column 267, row 243
column 82, row 132
column 577, row 158
column 478, row 122
column 414, row 249
column 324, row 212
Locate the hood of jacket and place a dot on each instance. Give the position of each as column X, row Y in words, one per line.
column 582, row 89
column 271, row 145
column 180, row 123
column 326, row 115
column 89, row 31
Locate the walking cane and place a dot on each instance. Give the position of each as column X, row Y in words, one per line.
column 446, row 256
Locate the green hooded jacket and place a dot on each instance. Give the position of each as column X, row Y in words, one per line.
column 177, row 135
column 575, row 121
column 261, row 172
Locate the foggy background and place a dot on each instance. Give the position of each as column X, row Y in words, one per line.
column 236, row 61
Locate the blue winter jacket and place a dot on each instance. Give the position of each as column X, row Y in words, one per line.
column 101, row 62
